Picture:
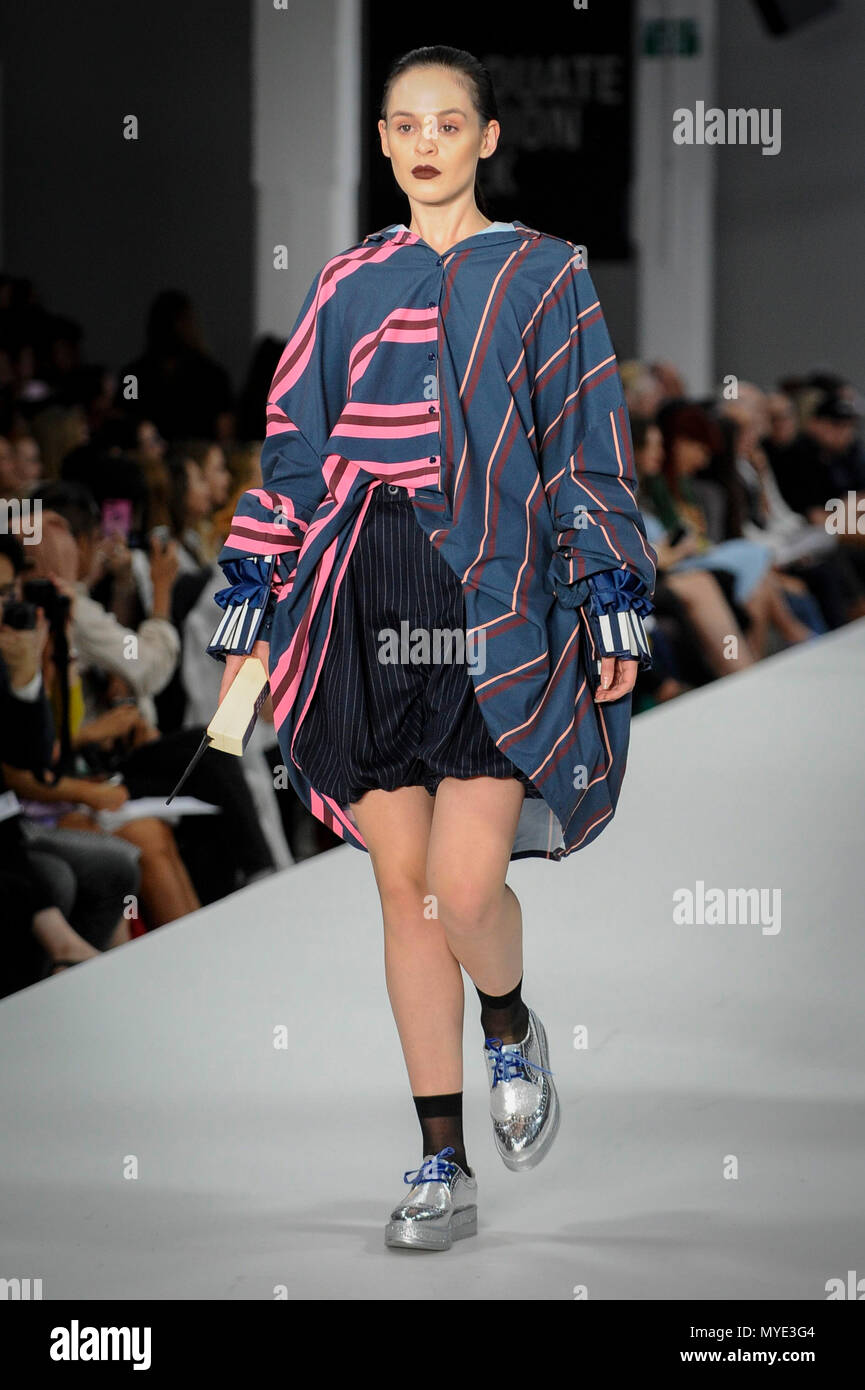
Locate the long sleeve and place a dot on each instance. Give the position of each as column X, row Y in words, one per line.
column 306, row 396
column 602, row 559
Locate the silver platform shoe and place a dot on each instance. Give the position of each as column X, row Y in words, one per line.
column 523, row 1101
column 440, row 1207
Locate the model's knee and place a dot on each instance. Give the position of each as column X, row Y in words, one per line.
column 465, row 906
column 404, row 896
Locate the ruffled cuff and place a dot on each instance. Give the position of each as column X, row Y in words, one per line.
column 615, row 608
column 249, row 602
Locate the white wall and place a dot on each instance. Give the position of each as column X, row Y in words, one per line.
column 674, row 193
column 306, row 151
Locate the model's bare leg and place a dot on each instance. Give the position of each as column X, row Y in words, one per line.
column 474, row 824
column 713, row 618
column 424, row 981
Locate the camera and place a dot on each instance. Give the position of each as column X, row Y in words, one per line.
column 38, row 593
column 41, row 593
column 20, row 615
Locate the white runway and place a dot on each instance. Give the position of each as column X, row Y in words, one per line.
column 259, row 1167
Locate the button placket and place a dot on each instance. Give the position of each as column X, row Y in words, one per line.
column 436, row 357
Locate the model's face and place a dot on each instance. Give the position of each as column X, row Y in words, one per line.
column 431, row 120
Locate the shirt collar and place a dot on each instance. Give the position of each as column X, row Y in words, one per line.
column 400, row 236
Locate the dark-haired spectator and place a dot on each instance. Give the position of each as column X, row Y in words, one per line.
column 822, row 466
column 782, row 422
column 712, row 622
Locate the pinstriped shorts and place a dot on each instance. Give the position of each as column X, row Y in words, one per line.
column 403, row 722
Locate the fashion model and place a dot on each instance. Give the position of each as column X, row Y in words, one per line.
column 448, row 455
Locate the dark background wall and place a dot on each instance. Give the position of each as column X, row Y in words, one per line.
column 564, row 83
column 789, row 282
column 101, row 223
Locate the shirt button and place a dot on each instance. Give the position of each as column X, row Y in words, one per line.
column 434, row 458
column 391, row 488
column 439, row 261
column 431, row 356
column 431, row 304
column 432, row 410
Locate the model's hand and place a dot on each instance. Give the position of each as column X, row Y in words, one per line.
column 621, row 673
column 233, row 663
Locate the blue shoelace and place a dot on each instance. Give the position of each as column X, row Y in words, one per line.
column 435, row 1169
column 507, row 1066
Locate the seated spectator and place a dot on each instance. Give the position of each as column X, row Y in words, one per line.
column 221, row 852
column 783, row 422
column 799, row 549
column 65, row 892
column 58, row 430
column 690, row 437
column 712, row 621
column 821, row 468
column 61, row 805
column 215, row 473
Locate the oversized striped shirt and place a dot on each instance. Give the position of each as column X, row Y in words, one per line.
column 484, row 380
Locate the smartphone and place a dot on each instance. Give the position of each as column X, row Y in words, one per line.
column 117, row 516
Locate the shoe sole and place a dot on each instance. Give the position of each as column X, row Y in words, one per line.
column 418, row 1235
column 538, row 1152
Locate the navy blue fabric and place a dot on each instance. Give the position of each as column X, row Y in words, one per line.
column 396, row 724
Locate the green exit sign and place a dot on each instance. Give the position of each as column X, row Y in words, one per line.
column 662, row 37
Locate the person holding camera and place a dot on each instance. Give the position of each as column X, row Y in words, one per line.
column 222, row 852
column 63, row 893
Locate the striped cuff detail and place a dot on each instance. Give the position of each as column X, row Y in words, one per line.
column 617, row 611
column 249, row 602
column 621, row 634
column 239, row 629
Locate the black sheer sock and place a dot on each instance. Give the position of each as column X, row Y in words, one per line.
column 441, row 1122
column 504, row 1016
